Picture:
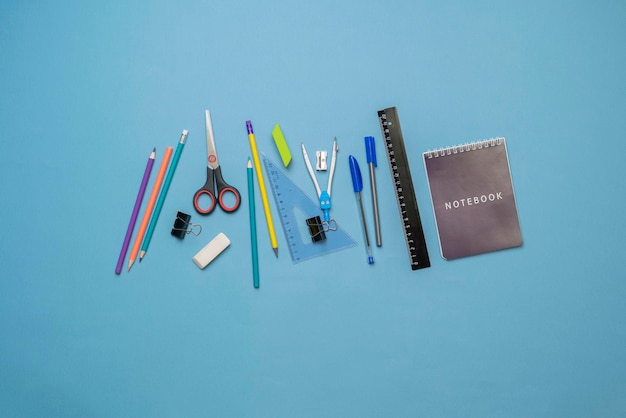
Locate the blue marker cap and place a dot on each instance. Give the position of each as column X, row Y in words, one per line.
column 357, row 181
column 370, row 150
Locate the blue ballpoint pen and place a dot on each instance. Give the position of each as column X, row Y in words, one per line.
column 357, row 185
column 370, row 151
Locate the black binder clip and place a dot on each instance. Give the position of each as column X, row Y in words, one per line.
column 316, row 229
column 182, row 226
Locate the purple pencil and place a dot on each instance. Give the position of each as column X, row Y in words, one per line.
column 133, row 218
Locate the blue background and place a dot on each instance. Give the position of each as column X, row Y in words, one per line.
column 87, row 89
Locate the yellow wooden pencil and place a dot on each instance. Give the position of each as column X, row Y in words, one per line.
column 261, row 180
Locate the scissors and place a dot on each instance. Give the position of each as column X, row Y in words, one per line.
column 214, row 176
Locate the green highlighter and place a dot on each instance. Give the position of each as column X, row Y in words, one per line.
column 281, row 144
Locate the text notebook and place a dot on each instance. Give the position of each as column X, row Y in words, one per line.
column 473, row 199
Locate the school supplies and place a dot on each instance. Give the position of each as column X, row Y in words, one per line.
column 183, row 226
column 133, row 217
column 473, row 198
column 370, row 152
column 281, row 145
column 163, row 194
column 294, row 208
column 323, row 195
column 253, row 240
column 403, row 185
column 261, row 180
column 210, row 251
column 316, row 229
column 357, row 185
column 214, row 176
column 150, row 206
column 320, row 160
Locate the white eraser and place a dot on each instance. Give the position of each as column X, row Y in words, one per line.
column 211, row 250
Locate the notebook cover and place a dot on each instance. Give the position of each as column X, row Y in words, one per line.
column 473, row 199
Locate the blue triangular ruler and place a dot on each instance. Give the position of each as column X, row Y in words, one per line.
column 295, row 207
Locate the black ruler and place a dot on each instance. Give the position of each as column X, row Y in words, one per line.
column 403, row 184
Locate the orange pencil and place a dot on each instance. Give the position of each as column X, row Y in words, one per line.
column 153, row 198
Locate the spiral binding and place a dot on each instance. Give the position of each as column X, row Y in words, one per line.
column 472, row 146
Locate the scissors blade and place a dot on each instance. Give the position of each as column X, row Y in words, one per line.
column 210, row 141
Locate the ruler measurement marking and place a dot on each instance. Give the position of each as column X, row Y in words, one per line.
column 409, row 213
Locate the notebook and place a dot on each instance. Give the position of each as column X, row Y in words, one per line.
column 473, row 199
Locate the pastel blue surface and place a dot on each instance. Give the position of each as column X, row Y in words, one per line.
column 88, row 89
